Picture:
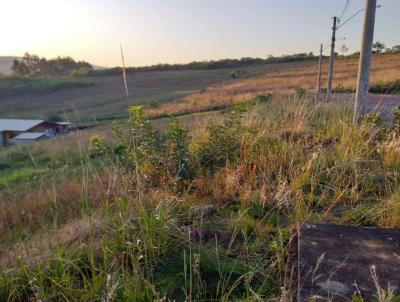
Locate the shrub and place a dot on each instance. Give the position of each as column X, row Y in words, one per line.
column 238, row 74
column 239, row 108
column 221, row 146
column 152, row 156
column 392, row 87
column 177, row 150
column 301, row 92
column 396, row 120
column 153, row 104
column 97, row 145
column 263, row 98
column 341, row 89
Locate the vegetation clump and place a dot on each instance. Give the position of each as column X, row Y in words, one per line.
column 209, row 65
column 34, row 66
column 389, row 87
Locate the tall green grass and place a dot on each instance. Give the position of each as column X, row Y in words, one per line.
column 206, row 214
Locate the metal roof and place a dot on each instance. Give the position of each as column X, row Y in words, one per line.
column 29, row 136
column 18, row 125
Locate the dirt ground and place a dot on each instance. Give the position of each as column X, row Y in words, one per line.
column 383, row 103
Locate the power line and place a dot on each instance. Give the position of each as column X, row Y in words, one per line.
column 341, row 25
column 355, row 14
column 328, row 44
column 344, row 10
column 346, row 6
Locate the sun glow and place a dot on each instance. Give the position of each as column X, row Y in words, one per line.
column 43, row 26
column 177, row 31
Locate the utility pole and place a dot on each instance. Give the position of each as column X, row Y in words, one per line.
column 364, row 67
column 318, row 93
column 331, row 61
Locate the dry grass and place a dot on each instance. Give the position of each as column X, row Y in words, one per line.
column 282, row 82
column 69, row 184
column 73, row 235
column 58, row 203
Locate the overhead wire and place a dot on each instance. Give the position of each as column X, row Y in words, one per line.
column 326, row 46
column 341, row 25
column 344, row 10
column 346, row 6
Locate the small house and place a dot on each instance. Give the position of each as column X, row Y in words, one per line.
column 17, row 130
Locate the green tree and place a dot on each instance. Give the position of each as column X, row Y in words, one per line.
column 378, row 47
column 395, row 48
column 20, row 68
column 33, row 65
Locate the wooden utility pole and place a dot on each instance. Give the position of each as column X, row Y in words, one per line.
column 318, row 93
column 331, row 61
column 364, row 67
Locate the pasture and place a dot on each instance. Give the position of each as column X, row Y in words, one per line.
column 285, row 79
column 102, row 98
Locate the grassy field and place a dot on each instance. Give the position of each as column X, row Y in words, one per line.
column 12, row 86
column 103, row 97
column 195, row 209
column 284, row 81
column 184, row 91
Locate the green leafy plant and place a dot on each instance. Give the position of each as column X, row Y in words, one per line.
column 153, row 104
column 301, row 92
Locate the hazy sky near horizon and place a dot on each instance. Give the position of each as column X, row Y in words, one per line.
column 178, row 31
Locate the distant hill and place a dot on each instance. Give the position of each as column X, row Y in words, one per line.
column 5, row 64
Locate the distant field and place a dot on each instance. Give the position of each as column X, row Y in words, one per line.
column 105, row 98
column 185, row 91
column 12, row 86
column 284, row 80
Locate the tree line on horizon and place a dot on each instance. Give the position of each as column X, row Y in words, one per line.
column 379, row 47
column 35, row 66
column 212, row 64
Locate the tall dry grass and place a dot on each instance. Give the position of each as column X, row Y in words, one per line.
column 282, row 82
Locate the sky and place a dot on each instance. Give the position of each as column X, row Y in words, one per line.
column 179, row 31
